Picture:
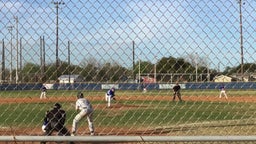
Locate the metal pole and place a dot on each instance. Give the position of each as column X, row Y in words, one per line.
column 68, row 61
column 3, row 62
column 139, row 70
column 20, row 59
column 57, row 35
column 10, row 30
column 57, row 38
column 241, row 40
column 208, row 73
column 17, row 49
column 132, row 139
column 196, row 67
column 155, row 71
column 133, row 60
column 41, row 57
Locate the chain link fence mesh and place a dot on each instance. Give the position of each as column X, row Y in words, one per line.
column 77, row 45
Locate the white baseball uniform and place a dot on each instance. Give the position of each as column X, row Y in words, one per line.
column 86, row 110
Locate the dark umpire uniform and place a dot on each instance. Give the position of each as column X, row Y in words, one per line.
column 176, row 92
column 56, row 119
column 55, row 122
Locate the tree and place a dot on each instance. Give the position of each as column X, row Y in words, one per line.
column 144, row 67
column 248, row 68
column 173, row 65
column 31, row 72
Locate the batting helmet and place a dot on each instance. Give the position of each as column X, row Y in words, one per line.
column 80, row 95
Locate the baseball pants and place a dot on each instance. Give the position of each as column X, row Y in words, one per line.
column 83, row 113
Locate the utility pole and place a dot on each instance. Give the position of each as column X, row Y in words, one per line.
column 10, row 28
column 3, row 61
column 43, row 54
column 133, row 61
column 241, row 39
column 42, row 58
column 69, row 62
column 139, row 71
column 57, row 35
column 20, row 58
column 17, row 48
column 196, row 66
column 155, row 70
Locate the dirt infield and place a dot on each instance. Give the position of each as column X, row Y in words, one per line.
column 110, row 131
column 160, row 98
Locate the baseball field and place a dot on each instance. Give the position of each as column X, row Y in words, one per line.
column 136, row 113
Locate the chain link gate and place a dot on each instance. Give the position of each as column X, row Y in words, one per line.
column 142, row 48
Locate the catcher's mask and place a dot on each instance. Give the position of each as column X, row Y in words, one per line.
column 80, row 95
column 57, row 105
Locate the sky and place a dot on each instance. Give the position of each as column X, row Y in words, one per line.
column 104, row 30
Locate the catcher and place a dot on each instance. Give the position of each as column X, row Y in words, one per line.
column 176, row 92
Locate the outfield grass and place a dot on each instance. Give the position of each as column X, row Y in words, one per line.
column 141, row 113
column 148, row 113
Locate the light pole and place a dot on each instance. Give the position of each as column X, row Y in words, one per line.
column 17, row 48
column 139, row 70
column 3, row 61
column 20, row 58
column 208, row 69
column 196, row 66
column 10, row 28
column 155, row 70
column 241, row 39
column 57, row 35
column 133, row 60
column 69, row 62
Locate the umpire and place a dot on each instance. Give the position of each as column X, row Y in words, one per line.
column 56, row 119
column 176, row 92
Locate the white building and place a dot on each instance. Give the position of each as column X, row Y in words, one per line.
column 222, row 78
column 70, row 78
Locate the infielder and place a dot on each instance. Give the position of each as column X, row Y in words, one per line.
column 176, row 92
column 223, row 92
column 43, row 93
column 110, row 95
column 86, row 110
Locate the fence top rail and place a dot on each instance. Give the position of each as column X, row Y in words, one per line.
column 127, row 138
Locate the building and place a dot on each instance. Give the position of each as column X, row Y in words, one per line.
column 70, row 79
column 222, row 78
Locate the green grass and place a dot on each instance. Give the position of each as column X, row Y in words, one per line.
column 154, row 114
column 168, row 113
column 148, row 113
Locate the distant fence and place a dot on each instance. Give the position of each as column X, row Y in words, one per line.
column 128, row 86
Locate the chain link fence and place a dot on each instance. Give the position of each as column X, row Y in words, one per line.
column 153, row 43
